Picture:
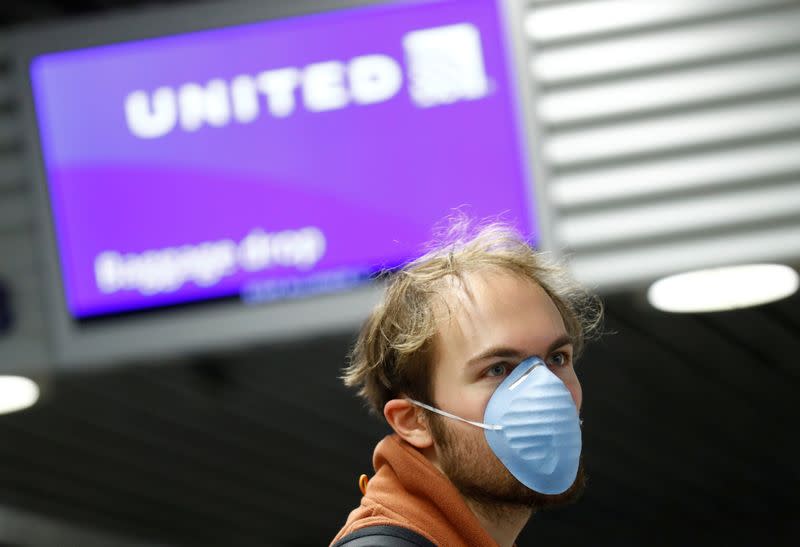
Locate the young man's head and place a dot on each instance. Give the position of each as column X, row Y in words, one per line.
column 452, row 326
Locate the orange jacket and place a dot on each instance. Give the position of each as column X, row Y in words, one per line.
column 408, row 491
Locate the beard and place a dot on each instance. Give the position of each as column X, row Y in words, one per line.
column 469, row 463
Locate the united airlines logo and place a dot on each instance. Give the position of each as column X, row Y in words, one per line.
column 443, row 65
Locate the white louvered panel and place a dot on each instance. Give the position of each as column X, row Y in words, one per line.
column 6, row 92
column 670, row 133
column 27, row 326
column 9, row 132
column 666, row 132
column 23, row 354
column 18, row 253
column 710, row 171
column 679, row 216
column 579, row 19
column 15, row 212
column 671, row 89
column 664, row 48
column 633, row 265
column 24, row 347
column 11, row 171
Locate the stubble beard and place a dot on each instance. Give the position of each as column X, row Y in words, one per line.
column 469, row 463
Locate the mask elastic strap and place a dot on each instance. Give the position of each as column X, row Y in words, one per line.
column 490, row 427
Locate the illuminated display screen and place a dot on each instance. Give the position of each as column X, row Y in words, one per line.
column 275, row 159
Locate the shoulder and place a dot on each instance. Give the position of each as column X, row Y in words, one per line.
column 384, row 536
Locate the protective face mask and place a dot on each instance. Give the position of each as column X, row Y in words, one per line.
column 532, row 426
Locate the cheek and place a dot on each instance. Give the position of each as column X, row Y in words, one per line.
column 467, row 402
column 475, row 403
column 577, row 394
column 574, row 387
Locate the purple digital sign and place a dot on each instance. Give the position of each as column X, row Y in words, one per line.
column 279, row 157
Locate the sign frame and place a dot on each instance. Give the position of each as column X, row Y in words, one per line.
column 215, row 325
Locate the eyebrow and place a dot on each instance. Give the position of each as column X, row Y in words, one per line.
column 507, row 352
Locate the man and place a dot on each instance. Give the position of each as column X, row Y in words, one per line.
column 470, row 359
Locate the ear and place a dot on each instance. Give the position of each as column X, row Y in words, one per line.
column 408, row 422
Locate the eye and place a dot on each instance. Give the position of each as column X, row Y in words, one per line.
column 558, row 359
column 498, row 369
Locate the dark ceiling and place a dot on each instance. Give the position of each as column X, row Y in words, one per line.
column 689, row 439
column 24, row 11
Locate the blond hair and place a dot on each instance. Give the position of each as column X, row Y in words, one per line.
column 392, row 355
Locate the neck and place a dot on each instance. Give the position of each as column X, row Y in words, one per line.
column 503, row 522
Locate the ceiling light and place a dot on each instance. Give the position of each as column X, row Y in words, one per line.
column 17, row 393
column 726, row 288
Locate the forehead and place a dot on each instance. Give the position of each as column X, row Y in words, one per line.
column 493, row 308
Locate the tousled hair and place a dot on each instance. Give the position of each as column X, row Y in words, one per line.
column 392, row 355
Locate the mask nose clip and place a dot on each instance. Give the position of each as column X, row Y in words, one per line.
column 535, row 362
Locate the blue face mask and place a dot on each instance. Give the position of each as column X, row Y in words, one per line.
column 532, row 426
